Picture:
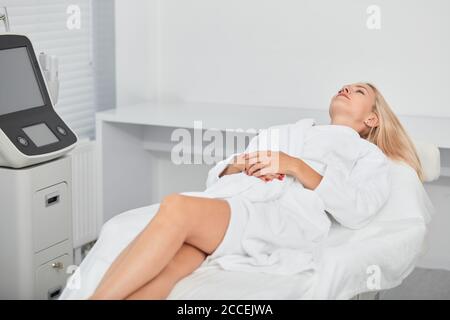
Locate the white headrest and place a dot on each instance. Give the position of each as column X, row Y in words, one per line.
column 430, row 159
column 408, row 198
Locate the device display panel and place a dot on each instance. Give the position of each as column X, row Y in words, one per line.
column 19, row 88
column 40, row 134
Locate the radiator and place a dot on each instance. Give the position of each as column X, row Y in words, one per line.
column 85, row 194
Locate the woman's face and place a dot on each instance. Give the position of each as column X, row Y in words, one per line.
column 352, row 106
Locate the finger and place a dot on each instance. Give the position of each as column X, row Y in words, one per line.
column 266, row 178
column 253, row 161
column 262, row 157
column 262, row 172
column 248, row 166
column 265, row 171
column 254, row 168
column 257, row 167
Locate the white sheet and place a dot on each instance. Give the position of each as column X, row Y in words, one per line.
column 393, row 246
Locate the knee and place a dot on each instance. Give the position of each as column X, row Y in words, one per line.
column 172, row 206
column 172, row 200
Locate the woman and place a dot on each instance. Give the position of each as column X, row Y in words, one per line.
column 186, row 230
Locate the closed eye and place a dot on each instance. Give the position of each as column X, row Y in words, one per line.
column 360, row 91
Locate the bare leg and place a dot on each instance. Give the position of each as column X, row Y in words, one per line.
column 201, row 222
column 186, row 261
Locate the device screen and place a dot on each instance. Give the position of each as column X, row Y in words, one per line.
column 19, row 88
column 40, row 134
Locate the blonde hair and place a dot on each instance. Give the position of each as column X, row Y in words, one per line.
column 391, row 137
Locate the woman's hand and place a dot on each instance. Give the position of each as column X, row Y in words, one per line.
column 266, row 163
column 263, row 164
column 239, row 164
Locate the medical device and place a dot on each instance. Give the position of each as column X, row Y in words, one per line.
column 5, row 19
column 31, row 131
column 36, row 248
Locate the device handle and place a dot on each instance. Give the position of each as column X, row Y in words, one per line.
column 50, row 69
column 4, row 17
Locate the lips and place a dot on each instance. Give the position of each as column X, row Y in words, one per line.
column 344, row 95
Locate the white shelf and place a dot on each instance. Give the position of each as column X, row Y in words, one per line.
column 231, row 116
column 212, row 115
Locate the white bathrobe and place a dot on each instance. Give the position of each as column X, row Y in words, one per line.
column 283, row 224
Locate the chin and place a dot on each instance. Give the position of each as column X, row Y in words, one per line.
column 339, row 107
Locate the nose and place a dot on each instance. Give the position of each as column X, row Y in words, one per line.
column 345, row 89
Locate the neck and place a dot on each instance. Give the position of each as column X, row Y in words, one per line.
column 343, row 121
column 340, row 121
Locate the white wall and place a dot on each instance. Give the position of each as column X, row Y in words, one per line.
column 283, row 52
column 136, row 24
column 298, row 53
column 104, row 53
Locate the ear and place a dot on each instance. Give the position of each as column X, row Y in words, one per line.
column 372, row 120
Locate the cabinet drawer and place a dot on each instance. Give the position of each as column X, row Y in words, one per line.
column 51, row 278
column 51, row 216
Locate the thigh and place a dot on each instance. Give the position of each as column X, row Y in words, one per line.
column 206, row 220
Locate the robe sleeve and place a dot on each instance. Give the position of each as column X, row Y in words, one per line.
column 213, row 174
column 353, row 198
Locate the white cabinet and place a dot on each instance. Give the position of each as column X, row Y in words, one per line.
column 35, row 230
